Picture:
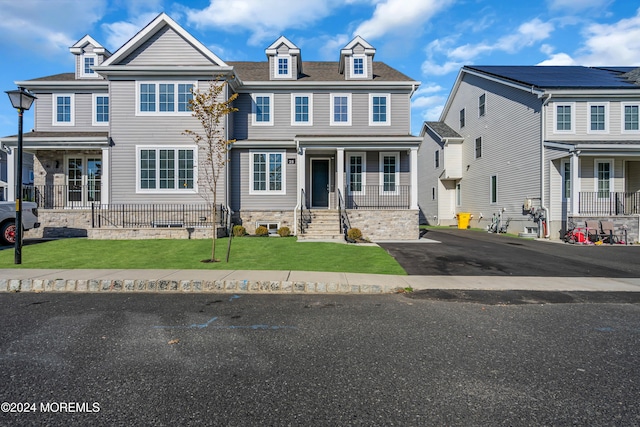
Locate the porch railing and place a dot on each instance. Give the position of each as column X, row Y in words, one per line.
column 601, row 203
column 305, row 213
column 62, row 196
column 345, row 224
column 378, row 197
column 156, row 216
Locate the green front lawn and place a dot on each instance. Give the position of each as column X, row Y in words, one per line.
column 247, row 253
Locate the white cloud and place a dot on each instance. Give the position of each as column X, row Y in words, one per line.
column 332, row 46
column 430, row 67
column 393, row 16
column 118, row 33
column 574, row 6
column 432, row 114
column 427, row 101
column 555, row 58
column 45, row 26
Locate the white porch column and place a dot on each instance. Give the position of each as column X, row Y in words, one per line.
column 11, row 174
column 575, row 184
column 301, row 175
column 413, row 158
column 340, row 171
column 105, row 178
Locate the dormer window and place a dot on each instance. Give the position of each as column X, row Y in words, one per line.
column 88, row 61
column 283, row 66
column 359, row 66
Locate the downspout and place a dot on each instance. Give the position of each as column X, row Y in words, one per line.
column 547, row 233
column 299, row 199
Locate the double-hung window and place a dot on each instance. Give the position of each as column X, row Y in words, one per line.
column 88, row 61
column 268, row 172
column 340, row 109
column 301, row 109
column 462, row 118
column 358, row 66
column 166, row 169
column 100, row 110
column 604, row 178
column 493, row 190
column 64, row 110
column 598, row 118
column 164, row 98
column 356, row 177
column 631, row 122
column 482, row 105
column 389, row 172
column 437, row 159
column 282, row 65
column 379, row 113
column 262, row 106
column 478, row 148
column 564, row 118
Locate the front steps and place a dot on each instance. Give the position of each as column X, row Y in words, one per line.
column 324, row 226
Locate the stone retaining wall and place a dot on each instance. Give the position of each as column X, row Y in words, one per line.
column 248, row 219
column 386, row 224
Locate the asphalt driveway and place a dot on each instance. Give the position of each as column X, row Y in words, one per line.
column 474, row 253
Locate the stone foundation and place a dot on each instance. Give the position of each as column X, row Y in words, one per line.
column 631, row 223
column 386, row 224
column 248, row 219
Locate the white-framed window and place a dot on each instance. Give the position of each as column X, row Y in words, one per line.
column 566, row 179
column 358, row 66
column 356, row 173
column 389, row 172
column 63, row 109
column 603, row 178
column 89, row 60
column 262, row 109
column 493, row 190
column 436, row 159
column 100, row 109
column 340, row 109
column 267, row 172
column 482, row 105
column 630, row 118
column 462, row 118
column 164, row 98
column 380, row 109
column 478, row 147
column 166, row 169
column 564, row 118
column 282, row 66
column 272, row 227
column 598, row 117
column 301, row 109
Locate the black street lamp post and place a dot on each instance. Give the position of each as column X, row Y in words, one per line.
column 21, row 99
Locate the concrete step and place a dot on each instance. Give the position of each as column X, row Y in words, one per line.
column 321, row 237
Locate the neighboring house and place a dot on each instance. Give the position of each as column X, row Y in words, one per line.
column 564, row 141
column 313, row 139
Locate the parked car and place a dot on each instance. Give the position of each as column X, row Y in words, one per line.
column 8, row 220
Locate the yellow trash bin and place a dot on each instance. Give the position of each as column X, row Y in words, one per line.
column 463, row 220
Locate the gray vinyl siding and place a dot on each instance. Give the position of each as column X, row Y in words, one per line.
column 512, row 153
column 428, row 176
column 166, row 47
column 83, row 111
column 580, row 131
column 358, row 50
column 129, row 131
column 293, row 63
column 240, row 179
column 282, row 128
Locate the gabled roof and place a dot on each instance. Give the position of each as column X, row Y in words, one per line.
column 149, row 31
column 98, row 48
column 358, row 41
column 441, row 130
column 282, row 40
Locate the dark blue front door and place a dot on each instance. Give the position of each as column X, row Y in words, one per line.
column 320, row 183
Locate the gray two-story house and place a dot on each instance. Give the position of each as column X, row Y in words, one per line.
column 315, row 142
column 560, row 144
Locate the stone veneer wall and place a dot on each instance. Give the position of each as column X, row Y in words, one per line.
column 248, row 219
column 386, row 224
column 631, row 223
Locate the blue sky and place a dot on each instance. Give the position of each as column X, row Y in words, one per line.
column 429, row 40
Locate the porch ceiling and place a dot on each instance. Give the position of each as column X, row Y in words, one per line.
column 52, row 140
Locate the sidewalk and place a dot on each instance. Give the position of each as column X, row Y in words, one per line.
column 243, row 281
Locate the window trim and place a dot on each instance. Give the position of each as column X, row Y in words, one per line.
column 177, row 189
column 176, row 98
column 387, row 122
column 493, row 194
column 94, row 116
column 611, row 175
column 436, row 158
column 268, row 192
column 72, row 112
column 254, row 106
column 606, row 117
column 622, row 119
column 475, row 148
column 482, row 107
column 332, row 121
column 276, row 66
column 573, row 117
column 83, row 73
column 382, row 155
column 293, row 109
column 349, row 155
column 565, row 166
column 463, row 118
column 365, row 71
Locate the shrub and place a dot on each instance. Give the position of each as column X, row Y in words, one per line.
column 239, row 231
column 262, row 231
column 284, row 232
column 354, row 234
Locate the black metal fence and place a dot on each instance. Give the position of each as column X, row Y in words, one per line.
column 156, row 216
column 62, row 196
column 378, row 197
column 617, row 203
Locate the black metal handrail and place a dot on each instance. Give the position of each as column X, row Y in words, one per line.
column 157, row 215
column 66, row 196
column 305, row 212
column 345, row 224
column 605, row 203
column 378, row 197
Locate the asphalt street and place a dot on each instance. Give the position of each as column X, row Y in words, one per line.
column 206, row 359
column 473, row 253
